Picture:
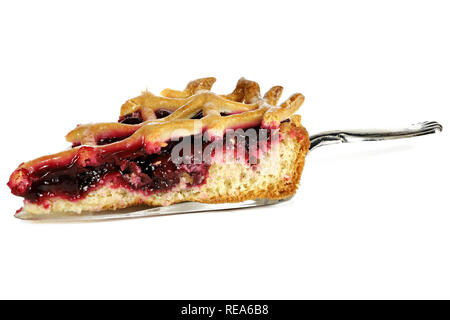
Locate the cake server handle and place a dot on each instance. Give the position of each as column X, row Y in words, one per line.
column 347, row 136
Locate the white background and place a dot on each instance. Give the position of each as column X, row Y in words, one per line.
column 368, row 221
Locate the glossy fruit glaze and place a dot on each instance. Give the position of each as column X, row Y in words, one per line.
column 135, row 171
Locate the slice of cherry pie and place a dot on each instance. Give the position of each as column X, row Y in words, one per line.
column 190, row 145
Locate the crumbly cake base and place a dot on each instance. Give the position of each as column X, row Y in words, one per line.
column 275, row 177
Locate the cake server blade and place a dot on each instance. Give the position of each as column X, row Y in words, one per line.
column 140, row 212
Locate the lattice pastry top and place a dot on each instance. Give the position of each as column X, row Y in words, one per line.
column 244, row 107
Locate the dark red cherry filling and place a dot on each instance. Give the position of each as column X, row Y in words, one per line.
column 136, row 117
column 137, row 171
column 131, row 118
column 162, row 113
